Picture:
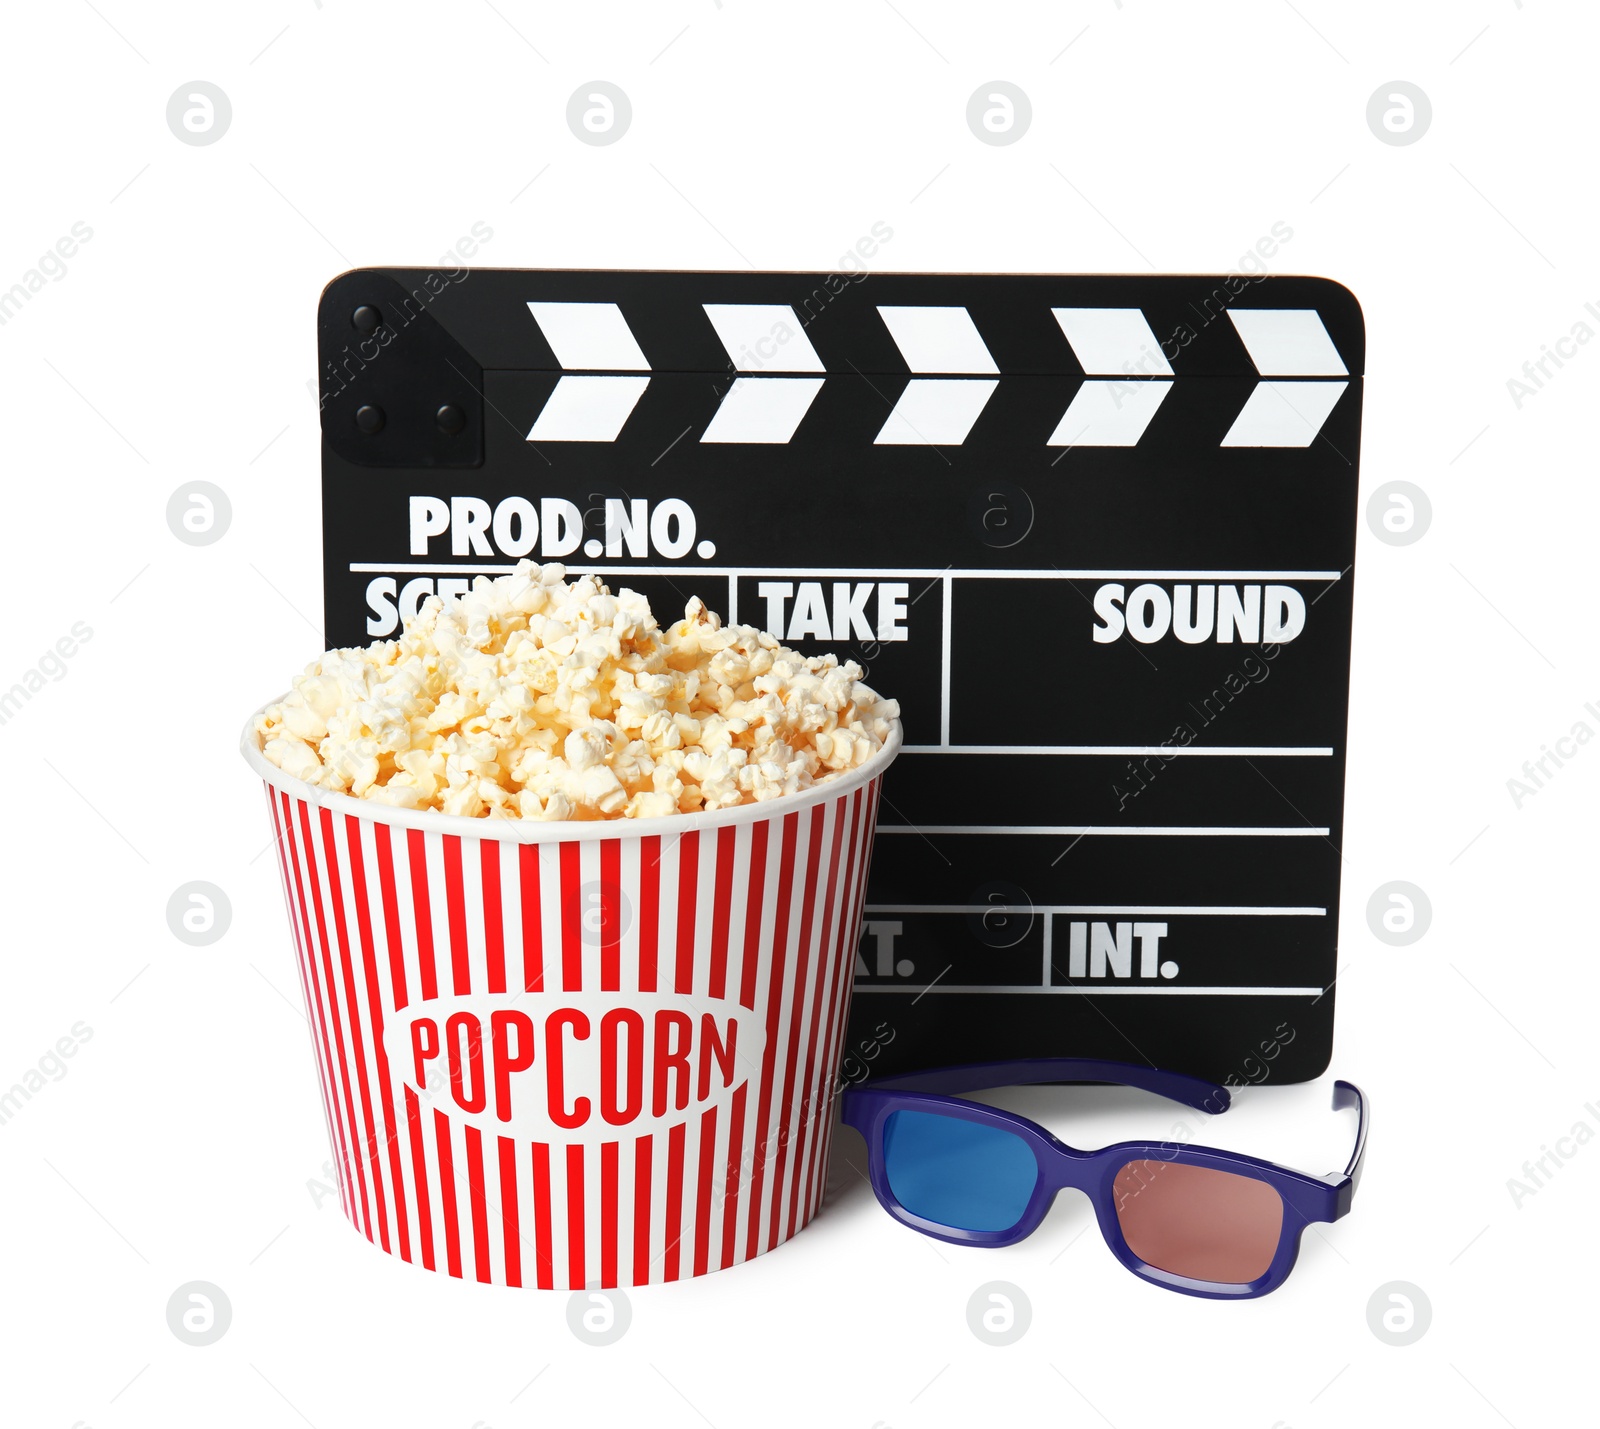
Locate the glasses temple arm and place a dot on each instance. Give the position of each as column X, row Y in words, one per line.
column 982, row 1076
column 1348, row 1096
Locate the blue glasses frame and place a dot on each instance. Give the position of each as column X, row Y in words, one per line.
column 1306, row 1198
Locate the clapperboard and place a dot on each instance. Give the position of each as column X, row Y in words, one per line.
column 1096, row 534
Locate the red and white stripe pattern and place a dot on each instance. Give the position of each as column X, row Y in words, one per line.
column 764, row 915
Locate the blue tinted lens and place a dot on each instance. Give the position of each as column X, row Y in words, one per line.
column 961, row 1174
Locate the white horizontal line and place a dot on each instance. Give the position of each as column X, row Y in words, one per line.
column 1140, row 831
column 1109, row 990
column 1132, row 909
column 401, row 568
column 1137, row 751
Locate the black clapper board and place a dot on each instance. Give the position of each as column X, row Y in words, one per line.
column 1096, row 534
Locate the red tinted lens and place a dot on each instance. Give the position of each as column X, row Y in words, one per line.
column 1199, row 1223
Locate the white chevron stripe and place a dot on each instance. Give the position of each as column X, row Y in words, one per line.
column 1113, row 341
column 763, row 409
column 763, row 337
column 938, row 339
column 588, row 409
column 591, row 336
column 1287, row 342
column 939, row 412
column 1109, row 414
column 1284, row 414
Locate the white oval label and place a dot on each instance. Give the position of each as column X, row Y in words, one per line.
column 574, row 1066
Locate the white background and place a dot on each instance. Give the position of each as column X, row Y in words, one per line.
column 180, row 1142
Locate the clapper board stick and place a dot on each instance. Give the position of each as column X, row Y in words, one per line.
column 1097, row 535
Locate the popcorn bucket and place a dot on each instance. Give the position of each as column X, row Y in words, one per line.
column 575, row 1054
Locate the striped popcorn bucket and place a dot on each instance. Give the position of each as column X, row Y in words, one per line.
column 568, row 1055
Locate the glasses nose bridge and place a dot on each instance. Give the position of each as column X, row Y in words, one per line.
column 1065, row 1168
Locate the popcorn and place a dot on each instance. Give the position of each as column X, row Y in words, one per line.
column 530, row 697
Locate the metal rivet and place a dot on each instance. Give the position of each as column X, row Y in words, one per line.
column 366, row 318
column 369, row 419
column 451, row 420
